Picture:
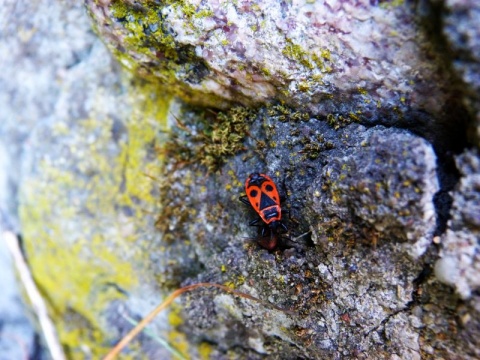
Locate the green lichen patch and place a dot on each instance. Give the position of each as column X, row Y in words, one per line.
column 146, row 46
column 143, row 28
column 306, row 58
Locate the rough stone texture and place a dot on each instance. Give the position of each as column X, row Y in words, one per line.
column 92, row 185
column 371, row 60
column 385, row 181
column 459, row 265
column 351, row 300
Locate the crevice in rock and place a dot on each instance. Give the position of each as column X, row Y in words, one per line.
column 450, row 134
column 421, row 278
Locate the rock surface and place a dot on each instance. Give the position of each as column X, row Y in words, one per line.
column 459, row 265
column 116, row 212
column 376, row 62
column 383, row 180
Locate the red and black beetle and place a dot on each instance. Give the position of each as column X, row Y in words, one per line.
column 263, row 196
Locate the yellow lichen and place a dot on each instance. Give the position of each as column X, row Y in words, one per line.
column 179, row 341
column 76, row 239
column 362, row 91
column 205, row 350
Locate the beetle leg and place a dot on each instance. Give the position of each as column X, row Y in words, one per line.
column 264, row 231
column 244, row 199
column 283, row 196
column 254, row 222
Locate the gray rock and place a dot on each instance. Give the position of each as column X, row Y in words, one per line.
column 385, row 182
column 459, row 265
column 368, row 60
column 404, row 337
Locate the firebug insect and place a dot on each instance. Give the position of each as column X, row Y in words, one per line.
column 262, row 195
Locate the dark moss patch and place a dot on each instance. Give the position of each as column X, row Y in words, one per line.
column 284, row 113
column 208, row 137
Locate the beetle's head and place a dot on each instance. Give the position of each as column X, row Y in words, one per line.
column 255, row 179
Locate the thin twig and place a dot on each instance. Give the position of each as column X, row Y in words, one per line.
column 39, row 305
column 137, row 329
